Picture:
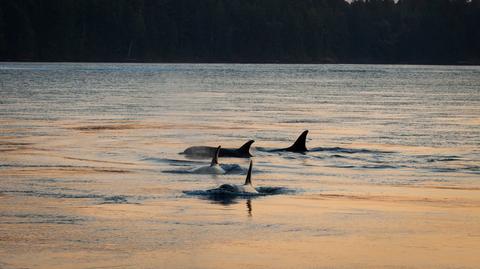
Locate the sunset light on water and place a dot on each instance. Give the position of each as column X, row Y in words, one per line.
column 91, row 174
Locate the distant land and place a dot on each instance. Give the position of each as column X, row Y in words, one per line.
column 243, row 31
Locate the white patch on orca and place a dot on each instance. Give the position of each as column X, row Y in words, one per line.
column 213, row 168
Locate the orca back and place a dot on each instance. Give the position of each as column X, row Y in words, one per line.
column 244, row 150
column 300, row 143
column 241, row 152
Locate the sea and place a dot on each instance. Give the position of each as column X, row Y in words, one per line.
column 92, row 173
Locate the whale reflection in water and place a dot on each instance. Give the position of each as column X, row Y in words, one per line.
column 249, row 207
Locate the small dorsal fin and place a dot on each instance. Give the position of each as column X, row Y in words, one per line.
column 248, row 180
column 215, row 157
column 299, row 145
column 245, row 148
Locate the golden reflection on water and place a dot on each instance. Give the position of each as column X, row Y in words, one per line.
column 346, row 225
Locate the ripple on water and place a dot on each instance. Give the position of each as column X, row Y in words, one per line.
column 349, row 150
column 100, row 198
column 35, row 218
column 173, row 162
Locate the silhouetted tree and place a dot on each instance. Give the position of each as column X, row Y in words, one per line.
column 361, row 31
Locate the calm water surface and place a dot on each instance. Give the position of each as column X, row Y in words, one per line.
column 87, row 151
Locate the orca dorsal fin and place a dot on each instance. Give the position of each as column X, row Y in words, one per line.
column 299, row 145
column 245, row 149
column 215, row 157
column 248, row 180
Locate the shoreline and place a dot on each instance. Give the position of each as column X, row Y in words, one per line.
column 473, row 63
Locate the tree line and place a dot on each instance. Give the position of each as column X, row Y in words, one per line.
column 287, row 31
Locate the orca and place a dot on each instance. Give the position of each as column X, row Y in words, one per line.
column 228, row 193
column 214, row 167
column 205, row 151
column 246, row 189
column 299, row 145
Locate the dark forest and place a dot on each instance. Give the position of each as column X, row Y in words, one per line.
column 259, row 31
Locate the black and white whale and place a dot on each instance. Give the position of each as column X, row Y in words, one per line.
column 298, row 146
column 246, row 189
column 228, row 193
column 213, row 168
column 206, row 151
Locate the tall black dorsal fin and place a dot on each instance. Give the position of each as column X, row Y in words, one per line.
column 299, row 145
column 248, row 180
column 215, row 157
column 245, row 149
